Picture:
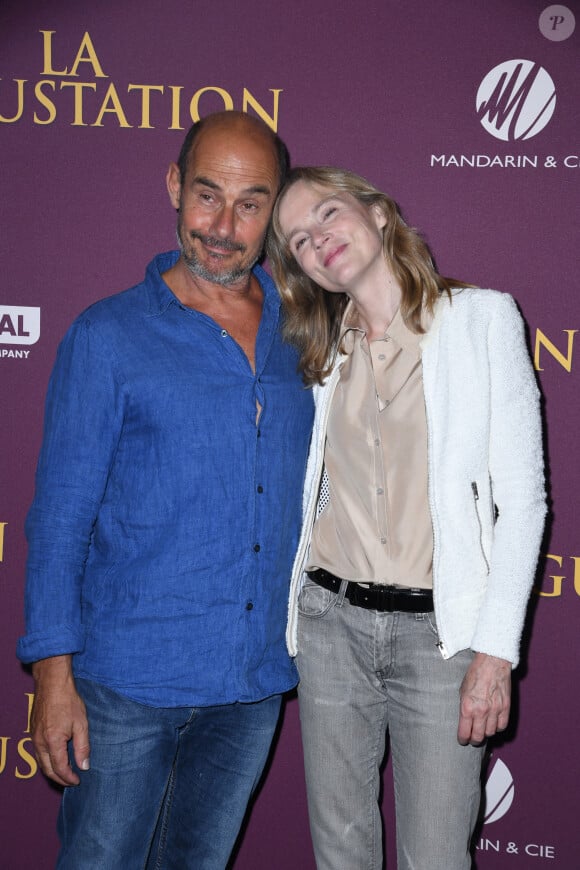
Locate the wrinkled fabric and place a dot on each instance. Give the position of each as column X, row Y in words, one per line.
column 165, row 520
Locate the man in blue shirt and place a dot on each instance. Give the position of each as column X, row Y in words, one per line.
column 161, row 536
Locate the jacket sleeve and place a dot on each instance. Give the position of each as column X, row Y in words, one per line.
column 517, row 479
column 83, row 420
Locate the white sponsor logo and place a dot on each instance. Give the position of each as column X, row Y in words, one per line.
column 516, row 100
column 499, row 792
column 19, row 325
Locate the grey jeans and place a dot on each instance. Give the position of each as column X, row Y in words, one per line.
column 363, row 673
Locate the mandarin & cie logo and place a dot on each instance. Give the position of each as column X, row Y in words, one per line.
column 516, row 100
column 499, row 796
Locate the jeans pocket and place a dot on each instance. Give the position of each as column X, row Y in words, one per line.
column 314, row 601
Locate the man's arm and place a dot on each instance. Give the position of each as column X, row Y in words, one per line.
column 58, row 715
column 484, row 699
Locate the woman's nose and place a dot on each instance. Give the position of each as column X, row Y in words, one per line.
column 320, row 238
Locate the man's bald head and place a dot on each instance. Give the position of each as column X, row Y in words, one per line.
column 235, row 124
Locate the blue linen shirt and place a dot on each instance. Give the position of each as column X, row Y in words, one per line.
column 165, row 520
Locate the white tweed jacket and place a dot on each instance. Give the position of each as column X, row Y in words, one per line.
column 486, row 479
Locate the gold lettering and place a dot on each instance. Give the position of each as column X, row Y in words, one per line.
column 28, row 758
column 116, row 109
column 3, row 752
column 175, row 107
column 91, row 57
column 18, row 115
column 194, row 104
column 78, row 89
column 30, row 697
column 2, row 527
column 44, row 101
column 145, row 103
column 47, row 106
column 270, row 120
column 542, row 340
column 576, row 560
column 47, row 47
column 557, row 578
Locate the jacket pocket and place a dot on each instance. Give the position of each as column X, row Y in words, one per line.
column 480, row 521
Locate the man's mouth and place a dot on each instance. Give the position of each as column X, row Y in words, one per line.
column 218, row 245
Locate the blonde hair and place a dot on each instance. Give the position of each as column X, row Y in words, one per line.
column 312, row 316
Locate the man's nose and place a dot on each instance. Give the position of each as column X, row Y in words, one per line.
column 223, row 224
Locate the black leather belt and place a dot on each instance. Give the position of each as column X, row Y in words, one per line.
column 376, row 596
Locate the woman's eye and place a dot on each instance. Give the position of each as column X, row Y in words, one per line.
column 299, row 244
column 329, row 211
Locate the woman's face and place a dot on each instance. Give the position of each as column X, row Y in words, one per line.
column 336, row 240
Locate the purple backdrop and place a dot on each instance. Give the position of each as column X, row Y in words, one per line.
column 468, row 115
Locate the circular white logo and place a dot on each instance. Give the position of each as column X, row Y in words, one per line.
column 499, row 793
column 557, row 23
column 516, row 100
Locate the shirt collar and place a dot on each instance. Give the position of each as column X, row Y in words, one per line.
column 397, row 331
column 160, row 297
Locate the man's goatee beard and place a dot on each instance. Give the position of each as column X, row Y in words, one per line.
column 224, row 279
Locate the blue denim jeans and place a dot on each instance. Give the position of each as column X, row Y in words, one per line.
column 363, row 673
column 167, row 788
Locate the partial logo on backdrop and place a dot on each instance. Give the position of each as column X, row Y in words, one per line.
column 516, row 100
column 499, row 792
column 499, row 796
column 19, row 326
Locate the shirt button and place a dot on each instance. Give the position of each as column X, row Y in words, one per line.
column 249, row 606
column 383, row 540
column 260, row 489
column 224, row 333
column 377, row 442
column 387, row 402
column 381, row 356
column 380, row 490
column 256, row 548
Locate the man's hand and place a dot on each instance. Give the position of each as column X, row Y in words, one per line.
column 484, row 699
column 58, row 715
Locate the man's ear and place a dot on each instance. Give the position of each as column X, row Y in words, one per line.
column 173, row 181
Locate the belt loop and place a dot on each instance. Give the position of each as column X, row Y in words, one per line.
column 341, row 593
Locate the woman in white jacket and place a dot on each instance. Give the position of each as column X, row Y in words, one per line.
column 423, row 512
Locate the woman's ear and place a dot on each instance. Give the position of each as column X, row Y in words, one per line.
column 379, row 216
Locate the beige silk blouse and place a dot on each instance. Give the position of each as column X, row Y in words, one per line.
column 376, row 527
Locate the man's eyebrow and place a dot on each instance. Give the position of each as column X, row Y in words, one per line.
column 207, row 182
column 252, row 189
